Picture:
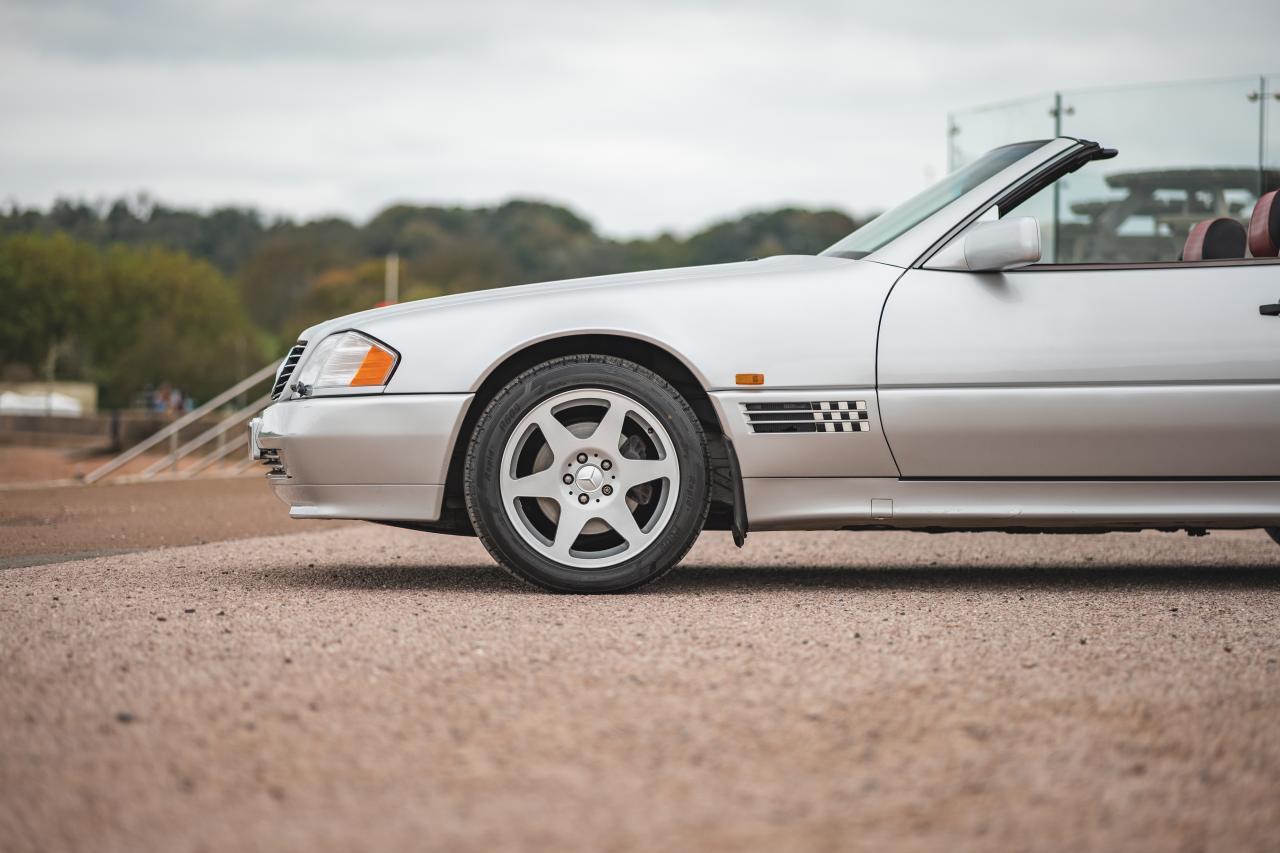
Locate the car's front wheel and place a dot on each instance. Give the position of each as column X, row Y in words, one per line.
column 587, row 474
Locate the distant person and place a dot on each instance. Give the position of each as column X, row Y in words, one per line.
column 160, row 398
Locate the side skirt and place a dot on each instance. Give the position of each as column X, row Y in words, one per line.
column 833, row 503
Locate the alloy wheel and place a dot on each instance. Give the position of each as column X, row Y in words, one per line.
column 589, row 478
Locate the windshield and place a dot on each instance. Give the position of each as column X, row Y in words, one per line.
column 892, row 223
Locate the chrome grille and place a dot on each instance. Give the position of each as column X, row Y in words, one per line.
column 286, row 369
column 819, row 416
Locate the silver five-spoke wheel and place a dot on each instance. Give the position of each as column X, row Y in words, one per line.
column 589, row 478
column 587, row 473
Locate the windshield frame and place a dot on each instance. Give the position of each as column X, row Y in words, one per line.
column 912, row 242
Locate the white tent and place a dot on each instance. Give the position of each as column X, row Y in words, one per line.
column 52, row 403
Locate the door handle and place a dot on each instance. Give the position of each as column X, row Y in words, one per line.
column 1272, row 310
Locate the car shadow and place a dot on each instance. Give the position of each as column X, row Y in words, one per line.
column 988, row 578
column 697, row 579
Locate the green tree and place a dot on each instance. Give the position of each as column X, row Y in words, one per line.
column 170, row 318
column 773, row 232
column 277, row 275
column 50, row 287
column 121, row 317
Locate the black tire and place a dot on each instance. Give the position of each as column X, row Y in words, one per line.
column 505, row 412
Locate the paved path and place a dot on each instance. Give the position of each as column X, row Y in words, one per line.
column 367, row 688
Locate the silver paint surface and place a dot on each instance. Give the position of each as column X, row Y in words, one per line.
column 1088, row 373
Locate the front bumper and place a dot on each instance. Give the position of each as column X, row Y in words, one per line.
column 381, row 457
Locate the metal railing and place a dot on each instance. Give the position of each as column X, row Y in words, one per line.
column 218, row 431
column 170, row 461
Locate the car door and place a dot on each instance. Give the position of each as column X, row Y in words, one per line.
column 1161, row 371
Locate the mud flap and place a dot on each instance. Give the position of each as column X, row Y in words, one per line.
column 739, row 496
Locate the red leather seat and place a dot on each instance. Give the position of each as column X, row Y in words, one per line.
column 1215, row 240
column 1264, row 226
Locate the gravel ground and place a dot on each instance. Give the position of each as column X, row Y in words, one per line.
column 26, row 465
column 366, row 688
column 49, row 525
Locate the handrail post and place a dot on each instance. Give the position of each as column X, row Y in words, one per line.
column 231, row 420
column 190, row 417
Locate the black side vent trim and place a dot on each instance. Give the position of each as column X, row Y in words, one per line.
column 820, row 416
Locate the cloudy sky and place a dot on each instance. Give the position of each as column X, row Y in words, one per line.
column 641, row 116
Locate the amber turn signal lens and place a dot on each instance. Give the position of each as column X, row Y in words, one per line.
column 750, row 379
column 375, row 368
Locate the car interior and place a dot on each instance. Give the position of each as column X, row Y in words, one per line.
column 1225, row 238
column 1154, row 216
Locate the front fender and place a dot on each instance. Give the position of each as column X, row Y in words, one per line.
column 803, row 322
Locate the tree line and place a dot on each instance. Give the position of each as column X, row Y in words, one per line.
column 134, row 292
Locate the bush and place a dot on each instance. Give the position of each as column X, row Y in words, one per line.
column 122, row 317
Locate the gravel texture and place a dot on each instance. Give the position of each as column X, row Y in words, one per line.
column 368, row 688
column 52, row 524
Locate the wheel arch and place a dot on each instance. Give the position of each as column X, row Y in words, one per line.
column 658, row 358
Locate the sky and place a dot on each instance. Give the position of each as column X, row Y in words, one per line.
column 640, row 116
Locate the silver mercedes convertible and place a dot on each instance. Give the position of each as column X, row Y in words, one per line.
column 936, row 370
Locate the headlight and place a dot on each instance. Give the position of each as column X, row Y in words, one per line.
column 347, row 360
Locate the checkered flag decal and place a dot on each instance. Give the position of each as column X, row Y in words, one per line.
column 818, row 416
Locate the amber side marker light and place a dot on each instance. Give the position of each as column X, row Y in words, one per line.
column 375, row 368
column 750, row 379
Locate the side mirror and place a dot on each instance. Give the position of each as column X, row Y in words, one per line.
column 1004, row 244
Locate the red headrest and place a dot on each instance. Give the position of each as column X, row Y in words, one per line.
column 1264, row 226
column 1214, row 240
